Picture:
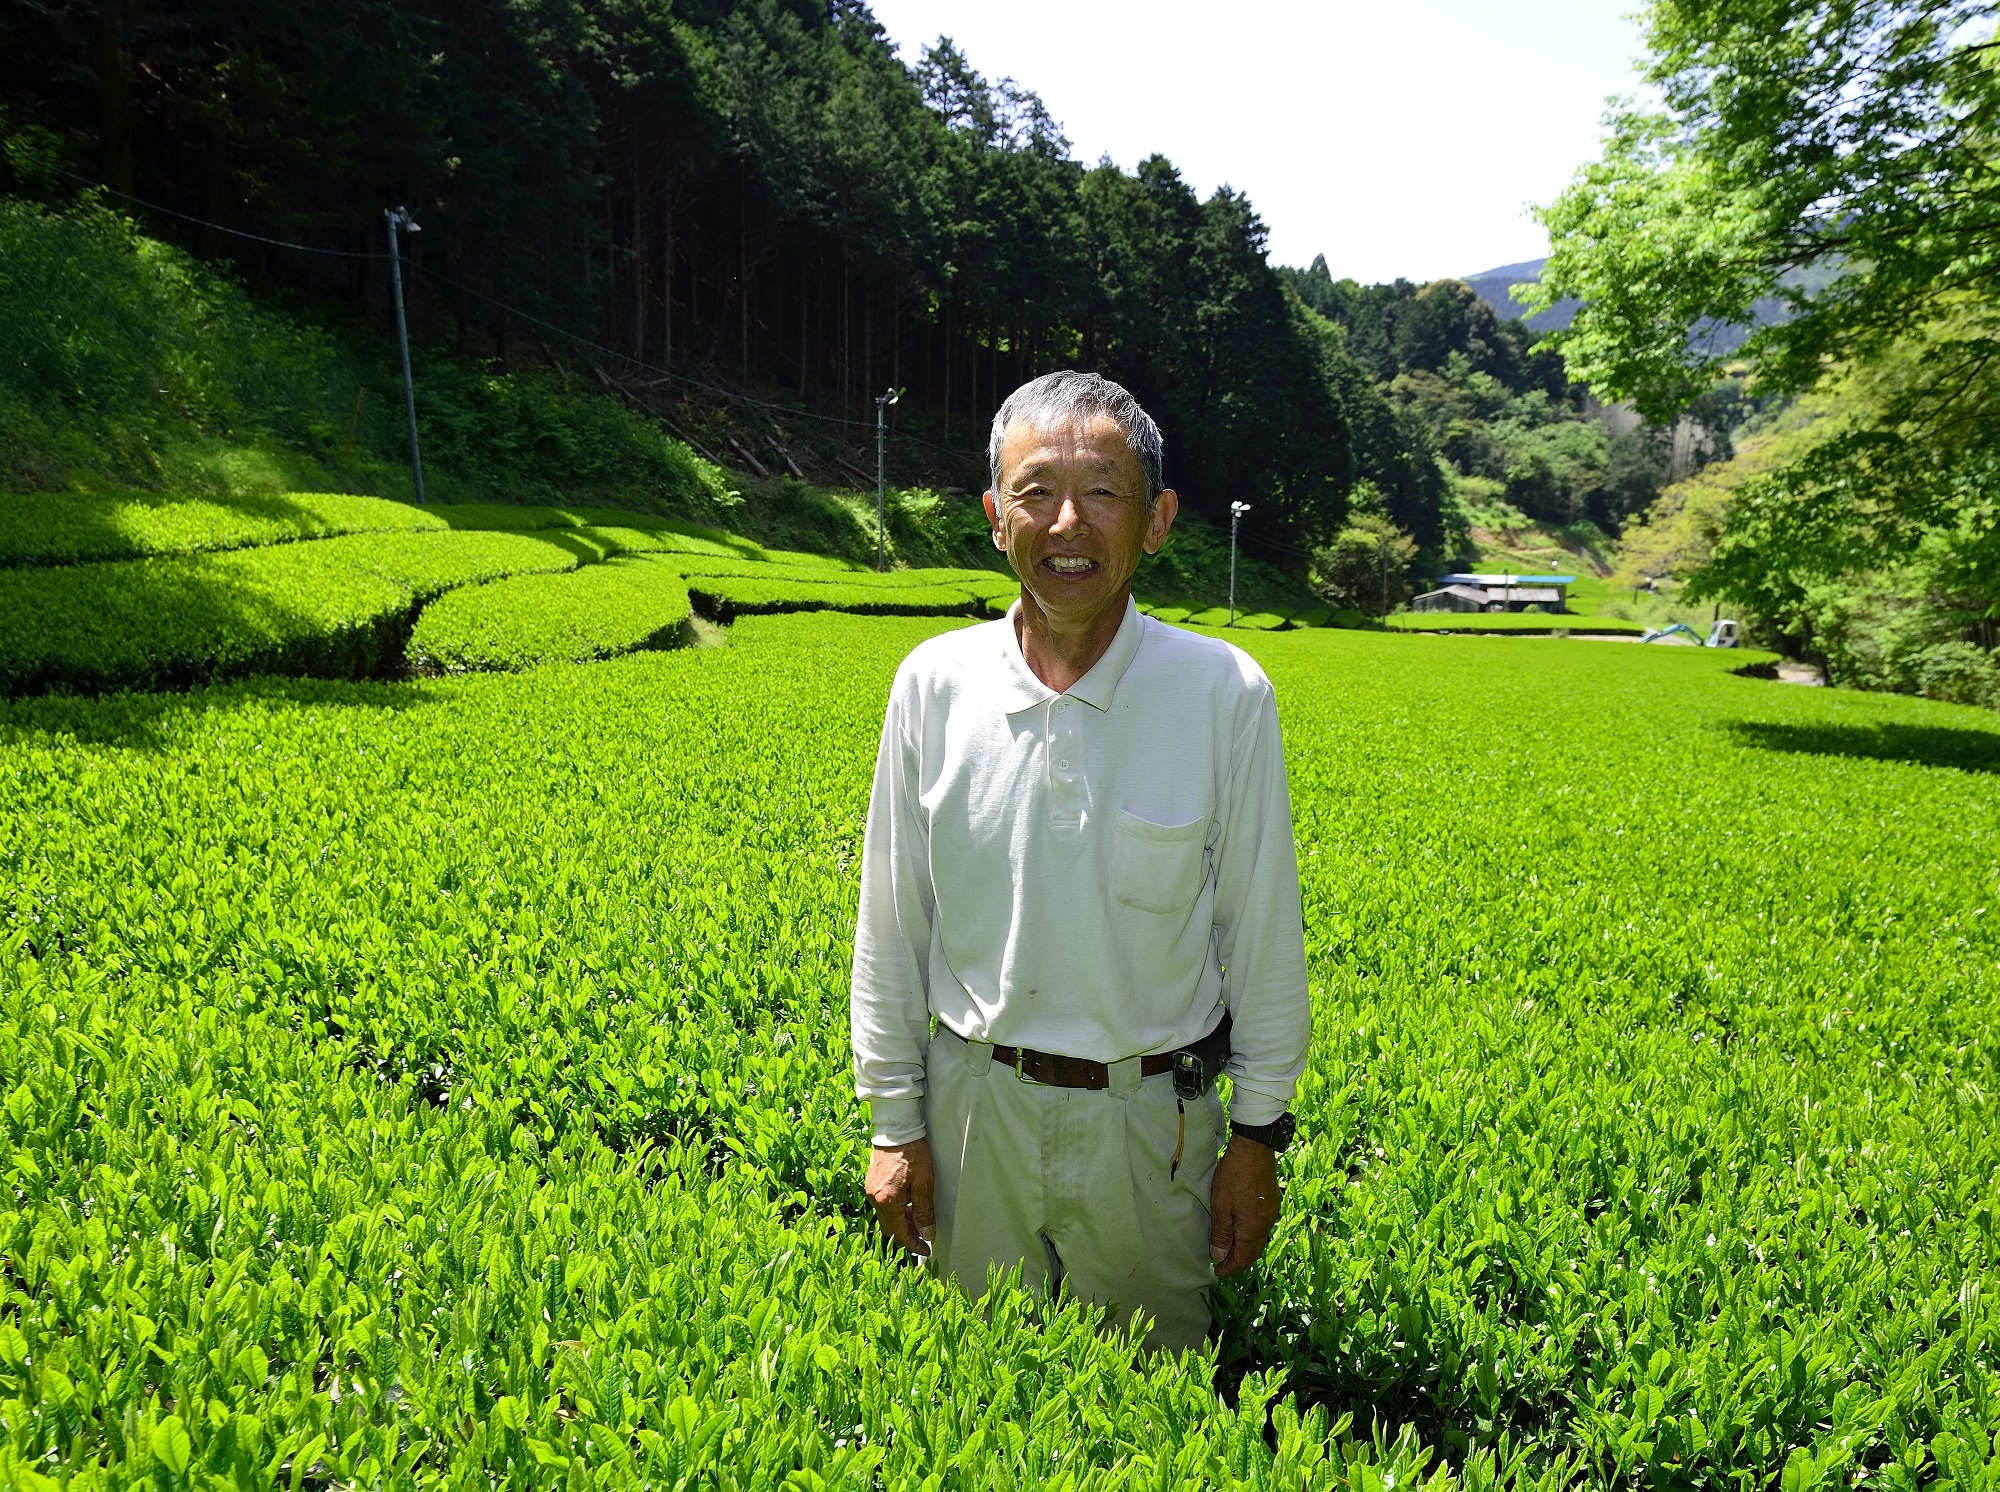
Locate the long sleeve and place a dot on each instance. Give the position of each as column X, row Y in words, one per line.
column 889, row 1008
column 1259, row 924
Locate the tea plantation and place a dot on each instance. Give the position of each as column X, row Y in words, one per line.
column 444, row 1081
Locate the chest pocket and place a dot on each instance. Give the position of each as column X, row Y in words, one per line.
column 1157, row 867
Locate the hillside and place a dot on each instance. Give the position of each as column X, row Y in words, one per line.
column 1495, row 287
column 759, row 206
column 141, row 381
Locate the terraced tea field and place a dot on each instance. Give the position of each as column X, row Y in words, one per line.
column 445, row 1083
column 102, row 593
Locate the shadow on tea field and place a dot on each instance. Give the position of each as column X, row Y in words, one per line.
column 1967, row 749
column 159, row 722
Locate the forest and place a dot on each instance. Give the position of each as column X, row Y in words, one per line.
column 761, row 195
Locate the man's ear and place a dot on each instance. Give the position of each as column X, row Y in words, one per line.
column 993, row 517
column 1165, row 507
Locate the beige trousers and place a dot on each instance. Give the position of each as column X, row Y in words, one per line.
column 1071, row 1186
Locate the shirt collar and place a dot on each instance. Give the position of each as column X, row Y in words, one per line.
column 1019, row 689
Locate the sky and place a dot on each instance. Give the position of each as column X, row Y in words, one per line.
column 1397, row 137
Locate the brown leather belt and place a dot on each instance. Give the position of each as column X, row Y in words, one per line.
column 1072, row 1072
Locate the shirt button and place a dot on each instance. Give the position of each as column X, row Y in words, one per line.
column 1062, row 766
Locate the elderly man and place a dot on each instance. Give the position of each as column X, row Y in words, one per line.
column 1079, row 903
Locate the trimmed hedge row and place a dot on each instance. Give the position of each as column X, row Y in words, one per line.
column 69, row 528
column 632, row 531
column 1512, row 621
column 598, row 611
column 328, row 608
column 693, row 547
column 726, row 597
column 823, row 569
column 76, row 528
column 1218, row 616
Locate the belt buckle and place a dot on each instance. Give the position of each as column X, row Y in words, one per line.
column 1020, row 1071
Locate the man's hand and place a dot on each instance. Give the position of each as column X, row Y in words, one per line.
column 1243, row 1202
column 900, row 1183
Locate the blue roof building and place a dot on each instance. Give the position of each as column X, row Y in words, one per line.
column 1497, row 593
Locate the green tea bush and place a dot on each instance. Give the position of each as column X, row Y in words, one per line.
column 822, row 570
column 336, row 611
column 563, row 1187
column 596, row 612
column 57, row 528
column 335, row 608
column 447, row 1084
column 347, row 1284
column 1511, row 621
column 688, row 545
column 770, row 562
column 897, row 593
column 1246, row 621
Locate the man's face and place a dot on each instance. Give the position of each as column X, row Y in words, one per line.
column 1071, row 515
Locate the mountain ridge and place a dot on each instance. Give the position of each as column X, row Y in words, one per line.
column 1496, row 286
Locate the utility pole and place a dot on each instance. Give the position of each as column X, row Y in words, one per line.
column 882, row 404
column 1236, row 512
column 399, row 220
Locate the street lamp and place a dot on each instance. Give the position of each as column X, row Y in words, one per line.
column 882, row 403
column 1236, row 512
column 399, row 220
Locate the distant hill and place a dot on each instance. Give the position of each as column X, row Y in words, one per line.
column 1495, row 286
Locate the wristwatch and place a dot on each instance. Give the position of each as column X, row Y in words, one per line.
column 1277, row 1134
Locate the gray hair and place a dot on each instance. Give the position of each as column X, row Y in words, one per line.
column 1070, row 395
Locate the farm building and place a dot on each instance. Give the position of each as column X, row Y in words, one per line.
column 1497, row 593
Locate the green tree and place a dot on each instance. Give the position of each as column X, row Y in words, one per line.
column 1367, row 564
column 1839, row 159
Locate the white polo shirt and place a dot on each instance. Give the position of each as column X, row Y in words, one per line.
column 1095, row 873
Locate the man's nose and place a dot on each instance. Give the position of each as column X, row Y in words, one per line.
column 1069, row 519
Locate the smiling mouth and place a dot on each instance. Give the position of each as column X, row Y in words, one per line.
column 1070, row 564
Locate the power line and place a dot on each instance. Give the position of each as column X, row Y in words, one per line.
column 668, row 373
column 1277, row 545
column 581, row 341
column 282, row 243
column 185, row 217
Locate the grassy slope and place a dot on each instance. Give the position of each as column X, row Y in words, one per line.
column 127, row 368
column 1570, row 1028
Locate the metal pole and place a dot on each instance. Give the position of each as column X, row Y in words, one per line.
column 397, row 218
column 881, row 505
column 1236, row 512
